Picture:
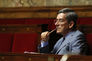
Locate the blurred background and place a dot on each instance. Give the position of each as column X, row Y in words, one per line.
column 22, row 21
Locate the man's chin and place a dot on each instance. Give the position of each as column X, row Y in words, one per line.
column 58, row 32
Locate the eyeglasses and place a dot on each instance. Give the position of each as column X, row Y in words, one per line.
column 58, row 20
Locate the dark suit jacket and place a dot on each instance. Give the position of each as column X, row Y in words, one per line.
column 53, row 38
column 74, row 43
column 44, row 49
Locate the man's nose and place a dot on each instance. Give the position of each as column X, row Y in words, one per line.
column 56, row 23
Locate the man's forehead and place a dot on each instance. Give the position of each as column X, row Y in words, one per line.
column 61, row 15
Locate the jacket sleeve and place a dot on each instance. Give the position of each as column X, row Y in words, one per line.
column 43, row 47
column 80, row 46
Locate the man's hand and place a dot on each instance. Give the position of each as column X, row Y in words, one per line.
column 45, row 36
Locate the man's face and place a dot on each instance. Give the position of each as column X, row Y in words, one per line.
column 61, row 23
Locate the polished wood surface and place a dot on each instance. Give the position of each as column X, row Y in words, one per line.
column 41, row 57
column 42, row 12
column 28, row 57
column 20, row 28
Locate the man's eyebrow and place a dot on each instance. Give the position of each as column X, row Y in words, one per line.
column 60, row 19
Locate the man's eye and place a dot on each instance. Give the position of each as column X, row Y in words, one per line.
column 60, row 20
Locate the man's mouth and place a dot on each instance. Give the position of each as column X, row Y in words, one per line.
column 57, row 28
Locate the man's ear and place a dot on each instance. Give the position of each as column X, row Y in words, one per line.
column 71, row 24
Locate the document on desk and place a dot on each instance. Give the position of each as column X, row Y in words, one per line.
column 32, row 52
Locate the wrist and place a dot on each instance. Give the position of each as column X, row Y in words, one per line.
column 44, row 43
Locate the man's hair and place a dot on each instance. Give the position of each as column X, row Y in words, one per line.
column 70, row 15
column 65, row 10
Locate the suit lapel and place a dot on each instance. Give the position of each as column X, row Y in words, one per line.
column 66, row 41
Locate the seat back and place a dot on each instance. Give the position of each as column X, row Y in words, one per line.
column 85, row 25
column 6, row 40
column 25, row 42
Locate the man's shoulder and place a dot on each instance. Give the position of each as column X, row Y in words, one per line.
column 77, row 33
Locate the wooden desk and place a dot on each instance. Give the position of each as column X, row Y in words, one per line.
column 40, row 57
column 28, row 57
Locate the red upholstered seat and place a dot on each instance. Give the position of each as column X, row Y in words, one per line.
column 87, row 23
column 25, row 42
column 6, row 42
column 28, row 41
column 89, row 40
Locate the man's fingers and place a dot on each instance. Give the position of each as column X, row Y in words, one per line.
column 45, row 36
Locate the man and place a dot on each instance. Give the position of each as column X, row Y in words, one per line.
column 72, row 42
